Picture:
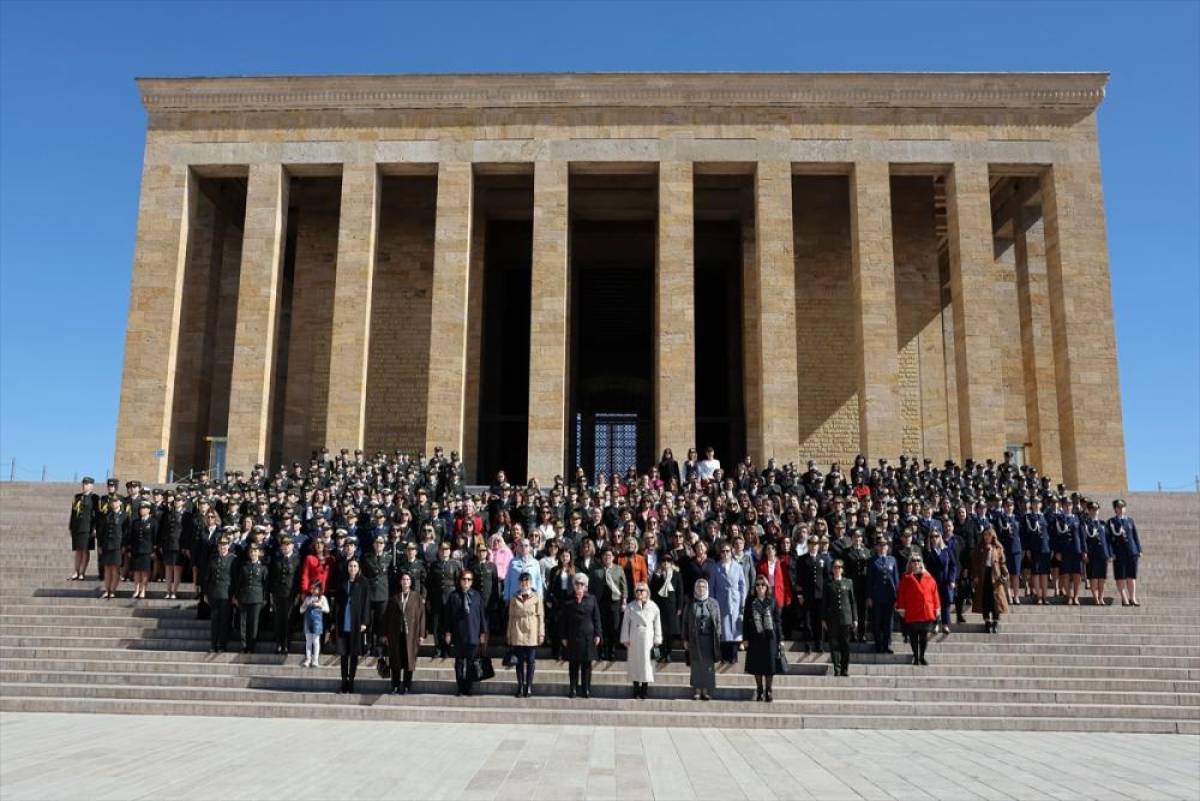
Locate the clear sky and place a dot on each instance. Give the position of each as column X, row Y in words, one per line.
column 72, row 130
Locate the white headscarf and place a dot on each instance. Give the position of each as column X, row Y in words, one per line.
column 700, row 588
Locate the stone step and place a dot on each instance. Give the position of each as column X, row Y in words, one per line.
column 590, row 712
column 1012, row 632
column 193, row 637
column 554, row 685
column 554, row 671
column 816, row 664
column 495, row 697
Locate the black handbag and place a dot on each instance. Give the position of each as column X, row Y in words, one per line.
column 203, row 610
column 482, row 669
column 781, row 663
column 384, row 668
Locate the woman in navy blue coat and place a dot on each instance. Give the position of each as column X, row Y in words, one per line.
column 942, row 564
column 1127, row 548
column 1098, row 552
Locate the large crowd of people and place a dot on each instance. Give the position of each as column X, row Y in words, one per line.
column 372, row 554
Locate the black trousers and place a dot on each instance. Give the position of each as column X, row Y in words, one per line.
column 839, row 646
column 813, row 608
column 860, row 601
column 375, row 624
column 249, row 616
column 401, row 677
column 464, row 653
column 581, row 675
column 881, row 625
column 349, row 645
column 281, row 619
column 525, row 656
column 918, row 638
column 436, row 627
column 219, row 623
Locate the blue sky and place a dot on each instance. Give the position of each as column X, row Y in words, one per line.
column 72, row 128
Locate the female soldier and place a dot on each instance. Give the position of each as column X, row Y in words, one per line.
column 763, row 637
column 702, row 640
column 142, row 533
column 641, row 631
column 110, row 535
column 1098, row 552
column 943, row 566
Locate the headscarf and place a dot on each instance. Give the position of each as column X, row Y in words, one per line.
column 501, row 556
column 700, row 589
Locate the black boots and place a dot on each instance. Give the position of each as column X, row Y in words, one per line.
column 640, row 689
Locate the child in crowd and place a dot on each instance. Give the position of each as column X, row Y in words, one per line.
column 313, row 610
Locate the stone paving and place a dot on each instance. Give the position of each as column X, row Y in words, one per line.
column 50, row 756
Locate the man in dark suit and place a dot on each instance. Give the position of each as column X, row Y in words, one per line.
column 466, row 629
column 284, row 585
column 812, row 569
column 883, row 580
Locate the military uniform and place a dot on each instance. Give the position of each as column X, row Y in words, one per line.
column 841, row 618
column 110, row 531
column 284, row 583
column 251, row 592
column 856, row 559
column 376, row 569
column 85, row 516
column 218, row 591
column 443, row 580
column 812, row 570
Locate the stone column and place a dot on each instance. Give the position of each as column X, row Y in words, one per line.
column 548, row 332
column 165, row 212
column 976, row 355
column 448, row 324
column 358, row 224
column 874, row 278
column 263, row 243
column 1081, row 313
column 675, row 313
column 775, row 335
column 1037, row 341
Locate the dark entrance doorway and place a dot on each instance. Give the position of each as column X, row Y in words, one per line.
column 611, row 418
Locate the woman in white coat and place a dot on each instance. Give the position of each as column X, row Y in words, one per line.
column 641, row 630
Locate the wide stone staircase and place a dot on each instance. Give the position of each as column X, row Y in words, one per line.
column 1084, row 668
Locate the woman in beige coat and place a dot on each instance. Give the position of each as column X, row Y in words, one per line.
column 641, row 630
column 526, row 631
column 990, row 570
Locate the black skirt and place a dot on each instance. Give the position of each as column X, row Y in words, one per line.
column 139, row 562
column 110, row 558
column 82, row 541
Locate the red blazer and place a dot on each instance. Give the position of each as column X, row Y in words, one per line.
column 315, row 569
column 783, row 580
column 918, row 598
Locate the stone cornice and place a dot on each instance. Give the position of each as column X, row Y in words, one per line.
column 1063, row 91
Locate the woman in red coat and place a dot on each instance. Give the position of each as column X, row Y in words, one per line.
column 772, row 567
column 918, row 605
column 316, row 567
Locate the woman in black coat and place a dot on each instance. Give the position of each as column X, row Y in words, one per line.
column 579, row 632
column 666, row 590
column 559, row 587
column 668, row 471
column 351, row 620
column 760, row 632
column 110, row 537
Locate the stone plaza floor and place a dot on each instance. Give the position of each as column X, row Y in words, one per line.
column 131, row 757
